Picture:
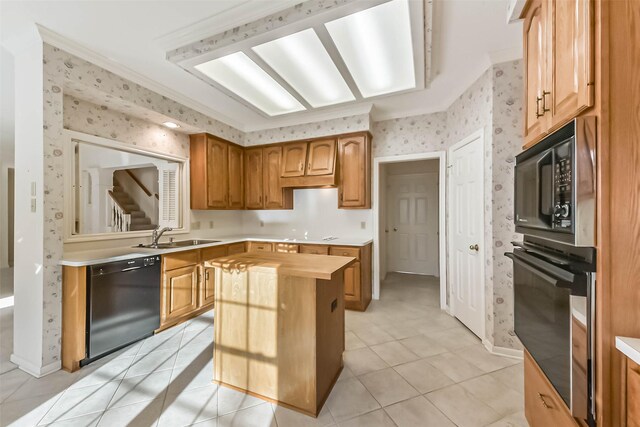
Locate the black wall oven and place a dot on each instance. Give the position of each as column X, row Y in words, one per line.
column 554, row 265
column 555, row 186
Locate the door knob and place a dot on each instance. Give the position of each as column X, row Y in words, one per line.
column 395, row 228
column 474, row 247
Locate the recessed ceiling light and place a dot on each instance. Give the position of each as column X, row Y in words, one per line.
column 239, row 74
column 305, row 64
column 171, row 125
column 376, row 47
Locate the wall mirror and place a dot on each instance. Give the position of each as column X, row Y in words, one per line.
column 117, row 189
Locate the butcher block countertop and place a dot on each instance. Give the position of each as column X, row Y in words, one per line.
column 292, row 264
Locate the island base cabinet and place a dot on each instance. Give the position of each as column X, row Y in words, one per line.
column 279, row 337
column 543, row 407
column 633, row 394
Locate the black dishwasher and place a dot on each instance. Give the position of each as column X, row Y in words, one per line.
column 123, row 304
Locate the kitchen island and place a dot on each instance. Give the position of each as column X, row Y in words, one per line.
column 279, row 326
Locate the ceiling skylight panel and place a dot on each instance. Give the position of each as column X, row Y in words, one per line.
column 240, row 75
column 303, row 62
column 376, row 47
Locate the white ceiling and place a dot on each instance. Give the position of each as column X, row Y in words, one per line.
column 468, row 36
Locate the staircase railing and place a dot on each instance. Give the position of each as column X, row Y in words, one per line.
column 117, row 217
column 140, row 184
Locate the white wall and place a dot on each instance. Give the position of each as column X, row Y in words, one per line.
column 315, row 214
column 29, row 226
column 6, row 144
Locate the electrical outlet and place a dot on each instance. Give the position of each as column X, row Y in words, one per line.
column 363, row 225
column 261, row 223
column 33, row 205
column 210, row 224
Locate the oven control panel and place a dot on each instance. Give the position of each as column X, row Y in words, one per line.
column 563, row 189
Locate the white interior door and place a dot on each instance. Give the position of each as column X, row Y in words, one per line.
column 467, row 231
column 412, row 223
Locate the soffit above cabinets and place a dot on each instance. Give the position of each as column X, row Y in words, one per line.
column 317, row 55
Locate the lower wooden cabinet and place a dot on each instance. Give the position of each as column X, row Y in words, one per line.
column 314, row 249
column 188, row 288
column 357, row 277
column 633, row 394
column 543, row 407
column 236, row 248
column 287, row 248
column 179, row 293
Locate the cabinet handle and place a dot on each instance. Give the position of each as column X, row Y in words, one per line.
column 544, row 101
column 301, row 167
column 206, row 276
column 538, row 114
column 309, row 166
column 544, row 403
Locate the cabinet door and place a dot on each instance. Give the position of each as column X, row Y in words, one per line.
column 236, row 177
column 294, row 157
column 535, row 69
column 253, row 190
column 355, row 164
column 275, row 197
column 217, row 173
column 352, row 282
column 571, row 59
column 633, row 394
column 322, row 157
column 179, row 292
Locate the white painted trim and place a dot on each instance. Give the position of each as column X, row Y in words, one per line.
column 441, row 157
column 83, row 52
column 477, row 135
column 503, row 351
column 69, row 199
column 35, row 370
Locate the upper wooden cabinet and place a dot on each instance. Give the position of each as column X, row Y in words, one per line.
column 253, row 180
column 236, row 177
column 322, row 157
column 262, row 180
column 275, row 197
column 294, row 157
column 354, row 190
column 216, row 168
column 217, row 179
column 227, row 176
column 558, row 53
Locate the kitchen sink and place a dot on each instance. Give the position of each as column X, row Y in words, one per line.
column 179, row 244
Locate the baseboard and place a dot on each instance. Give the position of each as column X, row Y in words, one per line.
column 35, row 370
column 503, row 351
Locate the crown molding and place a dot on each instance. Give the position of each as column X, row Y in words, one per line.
column 81, row 51
column 226, row 20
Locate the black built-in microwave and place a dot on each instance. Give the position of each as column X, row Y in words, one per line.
column 555, row 186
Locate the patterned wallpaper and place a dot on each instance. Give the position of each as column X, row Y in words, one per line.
column 100, row 120
column 61, row 71
column 493, row 103
column 291, row 133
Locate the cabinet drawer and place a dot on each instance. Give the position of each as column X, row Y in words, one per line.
column 633, row 394
column 542, row 405
column 260, row 247
column 286, row 248
column 180, row 259
column 213, row 252
column 236, row 248
column 345, row 251
column 314, row 249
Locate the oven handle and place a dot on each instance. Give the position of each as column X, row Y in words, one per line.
column 546, row 271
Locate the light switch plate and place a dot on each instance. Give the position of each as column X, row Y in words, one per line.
column 363, row 225
column 33, row 205
column 33, row 189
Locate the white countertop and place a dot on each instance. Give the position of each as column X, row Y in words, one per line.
column 630, row 347
column 101, row 256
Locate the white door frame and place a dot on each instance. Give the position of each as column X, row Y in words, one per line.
column 479, row 134
column 442, row 244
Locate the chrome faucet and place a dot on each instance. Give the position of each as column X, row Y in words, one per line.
column 157, row 233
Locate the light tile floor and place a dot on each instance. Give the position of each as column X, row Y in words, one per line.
column 406, row 364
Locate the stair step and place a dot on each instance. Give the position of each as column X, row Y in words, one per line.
column 137, row 214
column 131, row 207
column 140, row 227
column 141, row 220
